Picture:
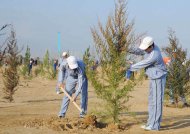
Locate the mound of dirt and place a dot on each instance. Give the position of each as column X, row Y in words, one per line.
column 65, row 124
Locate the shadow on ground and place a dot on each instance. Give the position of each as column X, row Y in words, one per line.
column 176, row 122
column 168, row 123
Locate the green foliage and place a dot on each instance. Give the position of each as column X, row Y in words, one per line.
column 51, row 74
column 1, row 63
column 86, row 56
column 46, row 60
column 46, row 68
column 24, row 70
column 10, row 74
column 27, row 56
column 178, row 76
column 42, row 72
column 88, row 60
column 37, row 71
column 111, row 45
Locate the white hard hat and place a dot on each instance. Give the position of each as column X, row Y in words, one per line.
column 147, row 41
column 64, row 53
column 72, row 62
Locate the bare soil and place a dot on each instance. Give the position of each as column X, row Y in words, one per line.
column 36, row 106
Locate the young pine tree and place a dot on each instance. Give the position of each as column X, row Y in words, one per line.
column 10, row 74
column 27, row 56
column 178, row 77
column 47, row 67
column 46, row 61
column 111, row 45
column 25, row 68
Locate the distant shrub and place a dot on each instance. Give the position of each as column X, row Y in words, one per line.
column 23, row 70
column 37, row 71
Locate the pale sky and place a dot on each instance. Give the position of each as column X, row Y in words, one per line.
column 37, row 22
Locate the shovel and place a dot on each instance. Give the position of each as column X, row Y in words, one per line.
column 65, row 92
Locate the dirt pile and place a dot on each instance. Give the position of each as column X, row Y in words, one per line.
column 88, row 123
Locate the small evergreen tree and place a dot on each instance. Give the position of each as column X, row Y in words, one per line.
column 46, row 61
column 27, row 56
column 111, row 45
column 178, row 77
column 51, row 72
column 10, row 74
column 46, row 68
column 25, row 68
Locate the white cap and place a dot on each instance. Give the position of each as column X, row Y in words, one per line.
column 72, row 62
column 64, row 53
column 147, row 41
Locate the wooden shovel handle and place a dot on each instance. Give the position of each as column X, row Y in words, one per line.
column 71, row 99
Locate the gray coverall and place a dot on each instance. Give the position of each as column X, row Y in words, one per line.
column 72, row 78
column 156, row 71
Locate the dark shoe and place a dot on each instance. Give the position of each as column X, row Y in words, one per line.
column 61, row 116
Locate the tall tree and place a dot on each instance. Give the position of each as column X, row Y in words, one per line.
column 10, row 74
column 179, row 67
column 112, row 43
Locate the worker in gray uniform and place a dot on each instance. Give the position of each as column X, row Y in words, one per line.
column 75, row 76
column 156, row 71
